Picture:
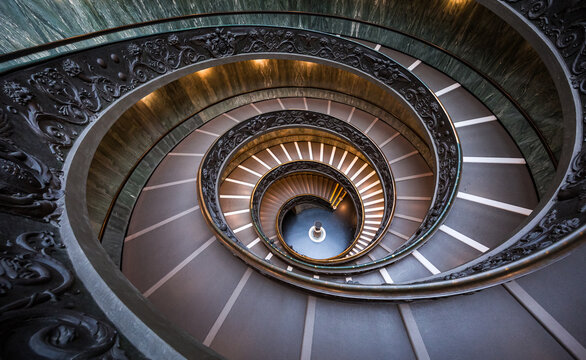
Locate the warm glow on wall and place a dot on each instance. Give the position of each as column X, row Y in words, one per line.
column 204, row 72
column 261, row 62
column 455, row 5
column 147, row 100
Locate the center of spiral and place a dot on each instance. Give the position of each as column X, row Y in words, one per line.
column 317, row 233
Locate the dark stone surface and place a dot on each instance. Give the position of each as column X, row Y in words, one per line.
column 407, row 269
column 376, row 330
column 488, row 330
column 561, row 290
column 434, row 79
column 246, row 333
column 446, row 252
column 151, row 207
column 149, row 257
column 182, row 300
column 510, row 184
column 487, row 139
column 462, row 105
column 465, row 215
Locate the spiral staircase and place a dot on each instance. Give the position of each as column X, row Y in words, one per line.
column 255, row 184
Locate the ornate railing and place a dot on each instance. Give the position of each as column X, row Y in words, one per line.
column 322, row 169
column 222, row 152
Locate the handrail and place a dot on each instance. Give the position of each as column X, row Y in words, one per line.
column 51, row 45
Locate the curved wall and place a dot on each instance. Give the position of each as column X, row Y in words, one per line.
column 464, row 28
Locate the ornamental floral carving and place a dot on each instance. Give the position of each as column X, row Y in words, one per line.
column 53, row 333
column 17, row 93
column 28, row 273
column 27, row 186
column 220, row 43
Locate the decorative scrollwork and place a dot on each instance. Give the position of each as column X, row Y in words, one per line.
column 17, row 93
column 565, row 26
column 30, row 276
column 575, row 186
column 28, row 273
column 550, row 230
column 60, row 100
column 27, row 186
column 56, row 334
column 72, row 104
column 219, row 43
